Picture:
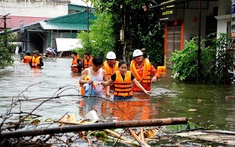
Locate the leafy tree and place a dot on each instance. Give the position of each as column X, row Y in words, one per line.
column 6, row 50
column 141, row 27
column 216, row 62
column 100, row 39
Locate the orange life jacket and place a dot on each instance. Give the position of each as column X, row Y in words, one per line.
column 86, row 63
column 110, row 71
column 87, row 78
column 74, row 61
column 27, row 59
column 123, row 87
column 142, row 74
column 36, row 61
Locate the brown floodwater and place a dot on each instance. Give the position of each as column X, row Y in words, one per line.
column 205, row 105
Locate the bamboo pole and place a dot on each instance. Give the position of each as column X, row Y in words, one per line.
column 115, row 134
column 141, row 142
column 141, row 133
column 97, row 126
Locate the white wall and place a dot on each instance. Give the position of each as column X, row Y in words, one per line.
column 224, row 15
column 34, row 8
column 191, row 28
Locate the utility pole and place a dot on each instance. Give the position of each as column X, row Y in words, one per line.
column 5, row 28
column 88, row 24
column 199, row 43
column 88, row 17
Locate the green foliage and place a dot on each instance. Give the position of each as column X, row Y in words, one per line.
column 215, row 67
column 142, row 28
column 100, row 39
column 6, row 51
column 185, row 62
column 146, row 32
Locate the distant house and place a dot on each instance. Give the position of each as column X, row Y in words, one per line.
column 54, row 31
column 27, row 12
column 37, row 26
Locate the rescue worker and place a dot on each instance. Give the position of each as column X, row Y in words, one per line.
column 96, row 74
column 27, row 57
column 143, row 70
column 36, row 61
column 110, row 65
column 87, row 61
column 77, row 65
column 122, row 80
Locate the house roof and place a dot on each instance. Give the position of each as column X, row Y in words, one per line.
column 14, row 21
column 75, row 21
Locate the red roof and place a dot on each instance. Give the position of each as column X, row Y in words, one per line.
column 14, row 21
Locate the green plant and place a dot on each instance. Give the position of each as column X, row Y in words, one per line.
column 216, row 63
column 100, row 39
column 6, row 50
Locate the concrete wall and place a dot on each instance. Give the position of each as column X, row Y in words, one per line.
column 224, row 15
column 34, row 8
column 191, row 26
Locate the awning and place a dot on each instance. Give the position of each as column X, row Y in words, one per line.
column 67, row 44
column 62, row 26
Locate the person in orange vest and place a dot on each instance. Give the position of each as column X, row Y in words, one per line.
column 122, row 80
column 143, row 70
column 77, row 65
column 27, row 57
column 110, row 65
column 96, row 74
column 87, row 61
column 36, row 61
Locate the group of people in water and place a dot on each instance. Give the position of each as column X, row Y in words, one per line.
column 34, row 61
column 114, row 76
column 110, row 75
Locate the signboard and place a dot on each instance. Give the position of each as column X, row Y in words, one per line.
column 167, row 10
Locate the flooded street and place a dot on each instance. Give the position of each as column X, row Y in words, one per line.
column 204, row 105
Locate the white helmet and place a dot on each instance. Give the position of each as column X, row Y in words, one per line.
column 111, row 55
column 137, row 52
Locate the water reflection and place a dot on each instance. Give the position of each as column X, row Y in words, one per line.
column 135, row 109
column 201, row 104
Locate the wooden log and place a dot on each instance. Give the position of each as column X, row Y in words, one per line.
column 97, row 126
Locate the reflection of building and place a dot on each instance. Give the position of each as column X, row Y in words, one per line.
column 181, row 18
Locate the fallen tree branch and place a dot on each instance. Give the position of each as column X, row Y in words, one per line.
column 98, row 126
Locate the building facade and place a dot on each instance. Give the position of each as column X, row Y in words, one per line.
column 185, row 19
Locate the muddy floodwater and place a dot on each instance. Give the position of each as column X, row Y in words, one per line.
column 205, row 105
